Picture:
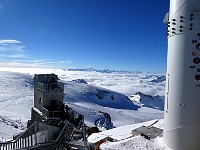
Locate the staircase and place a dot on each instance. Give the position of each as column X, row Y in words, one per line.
column 67, row 135
column 31, row 139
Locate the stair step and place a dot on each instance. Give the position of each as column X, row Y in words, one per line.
column 68, row 135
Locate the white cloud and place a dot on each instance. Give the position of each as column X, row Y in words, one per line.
column 20, row 65
column 10, row 41
column 11, row 45
column 23, row 63
column 19, row 55
column 12, row 49
column 65, row 62
column 26, row 63
column 13, row 53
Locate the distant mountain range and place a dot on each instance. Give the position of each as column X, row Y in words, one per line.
column 106, row 70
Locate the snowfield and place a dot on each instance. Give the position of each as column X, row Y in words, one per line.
column 128, row 97
column 124, row 139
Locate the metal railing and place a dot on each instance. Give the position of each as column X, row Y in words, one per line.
column 21, row 141
column 42, row 136
column 37, row 133
column 53, row 114
column 70, row 115
column 33, row 138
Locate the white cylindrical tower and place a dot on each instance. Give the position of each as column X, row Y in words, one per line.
column 182, row 97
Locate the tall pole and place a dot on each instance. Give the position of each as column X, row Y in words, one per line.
column 182, row 97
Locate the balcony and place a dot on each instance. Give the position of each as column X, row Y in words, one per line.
column 72, row 116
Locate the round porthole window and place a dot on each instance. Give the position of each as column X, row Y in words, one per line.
column 196, row 60
column 198, row 46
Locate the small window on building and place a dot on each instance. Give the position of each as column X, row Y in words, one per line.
column 40, row 101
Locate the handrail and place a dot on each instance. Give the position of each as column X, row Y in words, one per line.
column 12, row 144
column 54, row 143
column 58, row 142
column 23, row 133
column 27, row 139
column 51, row 113
column 72, row 115
column 45, row 111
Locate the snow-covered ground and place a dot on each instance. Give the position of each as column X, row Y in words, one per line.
column 90, row 93
column 125, row 140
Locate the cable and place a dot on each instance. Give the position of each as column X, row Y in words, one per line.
column 6, row 100
column 179, row 127
column 12, row 100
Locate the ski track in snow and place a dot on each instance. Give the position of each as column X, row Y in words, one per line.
column 16, row 99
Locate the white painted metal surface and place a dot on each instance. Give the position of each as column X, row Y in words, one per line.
column 182, row 97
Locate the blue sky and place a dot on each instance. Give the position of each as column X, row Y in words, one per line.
column 101, row 34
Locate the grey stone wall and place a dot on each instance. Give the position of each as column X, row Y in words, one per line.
column 47, row 89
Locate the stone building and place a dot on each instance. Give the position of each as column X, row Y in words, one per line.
column 48, row 98
column 48, row 92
